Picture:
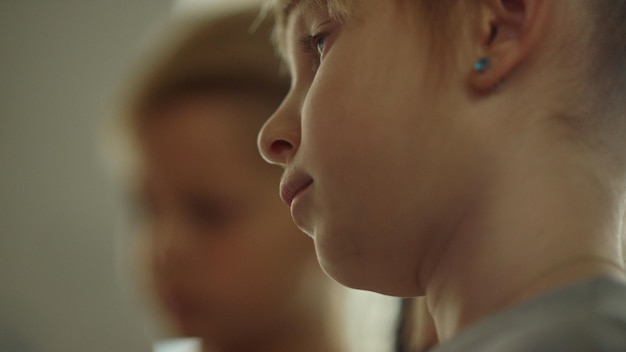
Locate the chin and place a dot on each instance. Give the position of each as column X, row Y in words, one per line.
column 349, row 267
column 344, row 268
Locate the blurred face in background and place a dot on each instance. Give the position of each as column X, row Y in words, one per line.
column 223, row 256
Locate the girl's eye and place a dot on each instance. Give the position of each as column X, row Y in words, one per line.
column 314, row 45
column 318, row 41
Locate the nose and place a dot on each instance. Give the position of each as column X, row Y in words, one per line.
column 167, row 247
column 279, row 138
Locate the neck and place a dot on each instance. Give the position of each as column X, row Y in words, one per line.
column 549, row 220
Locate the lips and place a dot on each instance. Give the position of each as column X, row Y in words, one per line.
column 292, row 184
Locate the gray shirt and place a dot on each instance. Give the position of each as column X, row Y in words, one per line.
column 586, row 316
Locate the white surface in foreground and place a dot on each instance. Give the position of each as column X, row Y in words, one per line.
column 178, row 345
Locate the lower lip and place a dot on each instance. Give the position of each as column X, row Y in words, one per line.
column 296, row 203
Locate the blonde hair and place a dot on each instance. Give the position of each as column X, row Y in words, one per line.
column 226, row 53
column 230, row 52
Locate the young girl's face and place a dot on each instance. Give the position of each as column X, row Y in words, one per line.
column 380, row 156
column 224, row 257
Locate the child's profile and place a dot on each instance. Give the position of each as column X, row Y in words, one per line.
column 472, row 152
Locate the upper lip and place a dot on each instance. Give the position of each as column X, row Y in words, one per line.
column 292, row 183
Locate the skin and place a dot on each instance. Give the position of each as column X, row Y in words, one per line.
column 224, row 259
column 426, row 177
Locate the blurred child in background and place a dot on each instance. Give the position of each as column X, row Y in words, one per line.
column 224, row 260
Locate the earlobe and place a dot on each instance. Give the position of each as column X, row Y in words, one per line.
column 509, row 30
column 482, row 65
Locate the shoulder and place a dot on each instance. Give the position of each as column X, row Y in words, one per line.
column 588, row 316
column 597, row 332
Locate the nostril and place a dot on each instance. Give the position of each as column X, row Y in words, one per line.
column 280, row 147
column 279, row 137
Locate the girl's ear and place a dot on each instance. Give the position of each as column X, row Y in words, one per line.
column 508, row 31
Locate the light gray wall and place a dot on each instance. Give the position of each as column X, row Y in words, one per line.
column 60, row 61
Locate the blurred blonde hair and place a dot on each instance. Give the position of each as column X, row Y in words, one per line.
column 229, row 52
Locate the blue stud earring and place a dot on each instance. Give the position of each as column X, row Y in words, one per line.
column 482, row 65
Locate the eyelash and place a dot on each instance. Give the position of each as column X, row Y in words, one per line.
column 310, row 45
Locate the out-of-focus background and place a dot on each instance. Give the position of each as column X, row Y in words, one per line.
column 61, row 63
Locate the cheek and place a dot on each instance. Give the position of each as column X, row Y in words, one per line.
column 353, row 113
